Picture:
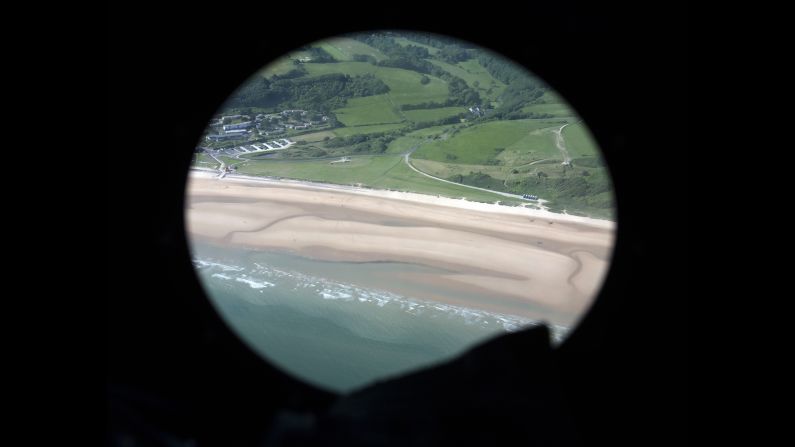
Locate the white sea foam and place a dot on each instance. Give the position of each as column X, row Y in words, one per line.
column 330, row 294
column 331, row 290
column 224, row 267
column 255, row 284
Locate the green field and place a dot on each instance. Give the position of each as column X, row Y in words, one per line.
column 335, row 52
column 423, row 115
column 367, row 169
column 447, row 170
column 405, row 42
column 433, row 131
column 377, row 109
column 404, row 143
column 517, row 156
column 455, row 70
column 555, row 109
column 501, row 172
column 278, row 67
column 343, row 49
column 282, row 65
column 404, row 85
column 204, row 161
column 522, row 141
column 552, row 97
column 580, row 142
column 229, row 160
column 471, row 72
column 363, row 130
column 350, row 68
column 536, row 145
column 402, row 178
column 314, row 136
column 380, row 172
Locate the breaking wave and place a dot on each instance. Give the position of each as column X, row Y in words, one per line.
column 332, row 290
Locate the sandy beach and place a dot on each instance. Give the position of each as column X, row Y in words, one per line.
column 533, row 263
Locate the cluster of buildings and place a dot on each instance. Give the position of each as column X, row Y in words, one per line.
column 240, row 127
column 232, row 131
column 276, row 123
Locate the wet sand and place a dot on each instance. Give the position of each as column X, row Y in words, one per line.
column 536, row 264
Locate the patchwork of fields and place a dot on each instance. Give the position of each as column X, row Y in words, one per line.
column 517, row 156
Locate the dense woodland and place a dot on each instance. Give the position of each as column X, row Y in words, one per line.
column 522, row 89
column 413, row 57
column 322, row 93
column 328, row 92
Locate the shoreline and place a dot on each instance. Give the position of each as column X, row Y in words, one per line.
column 509, row 319
column 407, row 196
column 511, row 260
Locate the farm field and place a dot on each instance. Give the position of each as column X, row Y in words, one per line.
column 516, row 151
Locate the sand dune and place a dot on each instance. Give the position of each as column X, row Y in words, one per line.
column 534, row 264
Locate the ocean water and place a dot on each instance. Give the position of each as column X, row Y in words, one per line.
column 335, row 324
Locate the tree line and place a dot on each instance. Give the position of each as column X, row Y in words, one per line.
column 374, row 143
column 579, row 190
column 413, row 57
column 450, row 50
column 321, row 93
column 522, row 88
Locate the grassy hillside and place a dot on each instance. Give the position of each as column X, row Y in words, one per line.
column 475, row 76
column 364, row 169
column 343, row 49
column 379, row 94
column 405, row 142
column 579, row 141
column 365, row 130
column 314, row 136
column 381, row 172
column 557, row 110
column 422, row 115
column 522, row 139
column 520, row 156
column 368, row 110
column 278, row 67
column 404, row 85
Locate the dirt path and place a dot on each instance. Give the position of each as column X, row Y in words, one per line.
column 396, row 108
column 562, row 144
column 504, row 194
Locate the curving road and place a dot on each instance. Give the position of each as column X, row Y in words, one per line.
column 408, row 162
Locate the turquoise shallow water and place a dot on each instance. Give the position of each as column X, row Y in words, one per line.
column 335, row 324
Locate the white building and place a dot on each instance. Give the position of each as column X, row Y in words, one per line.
column 244, row 125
